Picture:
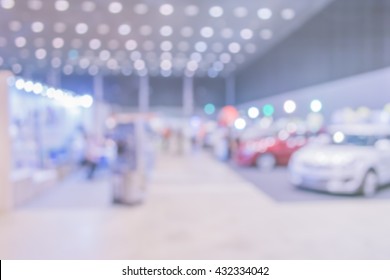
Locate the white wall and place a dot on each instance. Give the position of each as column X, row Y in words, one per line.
column 370, row 89
column 5, row 145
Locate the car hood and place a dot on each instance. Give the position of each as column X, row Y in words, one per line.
column 332, row 154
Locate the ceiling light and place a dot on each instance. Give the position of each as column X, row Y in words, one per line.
column 17, row 68
column 216, row 11
column 240, row 12
column 135, row 55
column 35, row 5
column 201, row 46
column 192, row 65
column 289, row 106
column 81, row 28
column 246, row 34
column 124, row 29
column 145, row 30
column 240, row 124
column 166, row 73
column 166, row 9
column 20, row 42
column 253, row 112
column 131, row 45
column 288, row 14
column 59, row 27
column 88, row 6
column 15, row 25
column 234, row 47
column 139, row 64
column 187, row 31
column 58, row 43
column 191, row 10
column 56, row 62
column 61, row 5
column 7, row 4
column 196, row 57
column 93, row 70
column 166, row 65
column 95, row 44
column 68, row 69
column 115, row 7
column 40, row 53
column 141, row 9
column 37, row 26
column 225, row 57
column 166, row 46
column 266, row 34
column 166, row 30
column 264, row 13
column 103, row 29
column 316, row 106
column 113, row 44
column 218, row 66
column 207, row 32
column 112, row 64
column 104, row 55
column 227, row 33
column 166, row 56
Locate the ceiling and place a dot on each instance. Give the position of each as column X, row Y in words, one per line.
column 159, row 38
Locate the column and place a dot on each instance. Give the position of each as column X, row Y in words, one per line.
column 97, row 122
column 143, row 94
column 6, row 192
column 188, row 96
column 231, row 90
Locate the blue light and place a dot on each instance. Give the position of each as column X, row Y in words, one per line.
column 209, row 109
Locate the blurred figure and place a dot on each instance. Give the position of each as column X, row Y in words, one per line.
column 93, row 153
column 166, row 135
column 180, row 141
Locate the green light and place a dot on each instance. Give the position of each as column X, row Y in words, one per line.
column 268, row 110
column 209, row 109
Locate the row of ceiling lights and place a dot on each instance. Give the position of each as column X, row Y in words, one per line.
column 145, row 30
column 141, row 9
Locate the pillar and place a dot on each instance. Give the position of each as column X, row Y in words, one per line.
column 188, row 96
column 231, row 90
column 143, row 94
column 6, row 193
column 97, row 122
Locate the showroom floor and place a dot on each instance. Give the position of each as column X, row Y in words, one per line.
column 197, row 208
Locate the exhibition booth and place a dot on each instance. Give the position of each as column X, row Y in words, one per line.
column 42, row 137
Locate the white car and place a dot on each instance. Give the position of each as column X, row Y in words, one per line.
column 357, row 161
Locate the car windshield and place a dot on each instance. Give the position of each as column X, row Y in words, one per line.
column 356, row 140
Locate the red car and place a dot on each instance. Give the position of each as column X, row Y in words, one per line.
column 267, row 152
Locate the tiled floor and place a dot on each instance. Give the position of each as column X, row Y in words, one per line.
column 197, row 208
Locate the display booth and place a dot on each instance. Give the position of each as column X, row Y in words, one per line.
column 42, row 134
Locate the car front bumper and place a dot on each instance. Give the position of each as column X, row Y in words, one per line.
column 338, row 181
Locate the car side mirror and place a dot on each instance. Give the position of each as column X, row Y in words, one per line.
column 383, row 144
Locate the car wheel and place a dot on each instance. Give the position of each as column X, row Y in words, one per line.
column 370, row 184
column 266, row 162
